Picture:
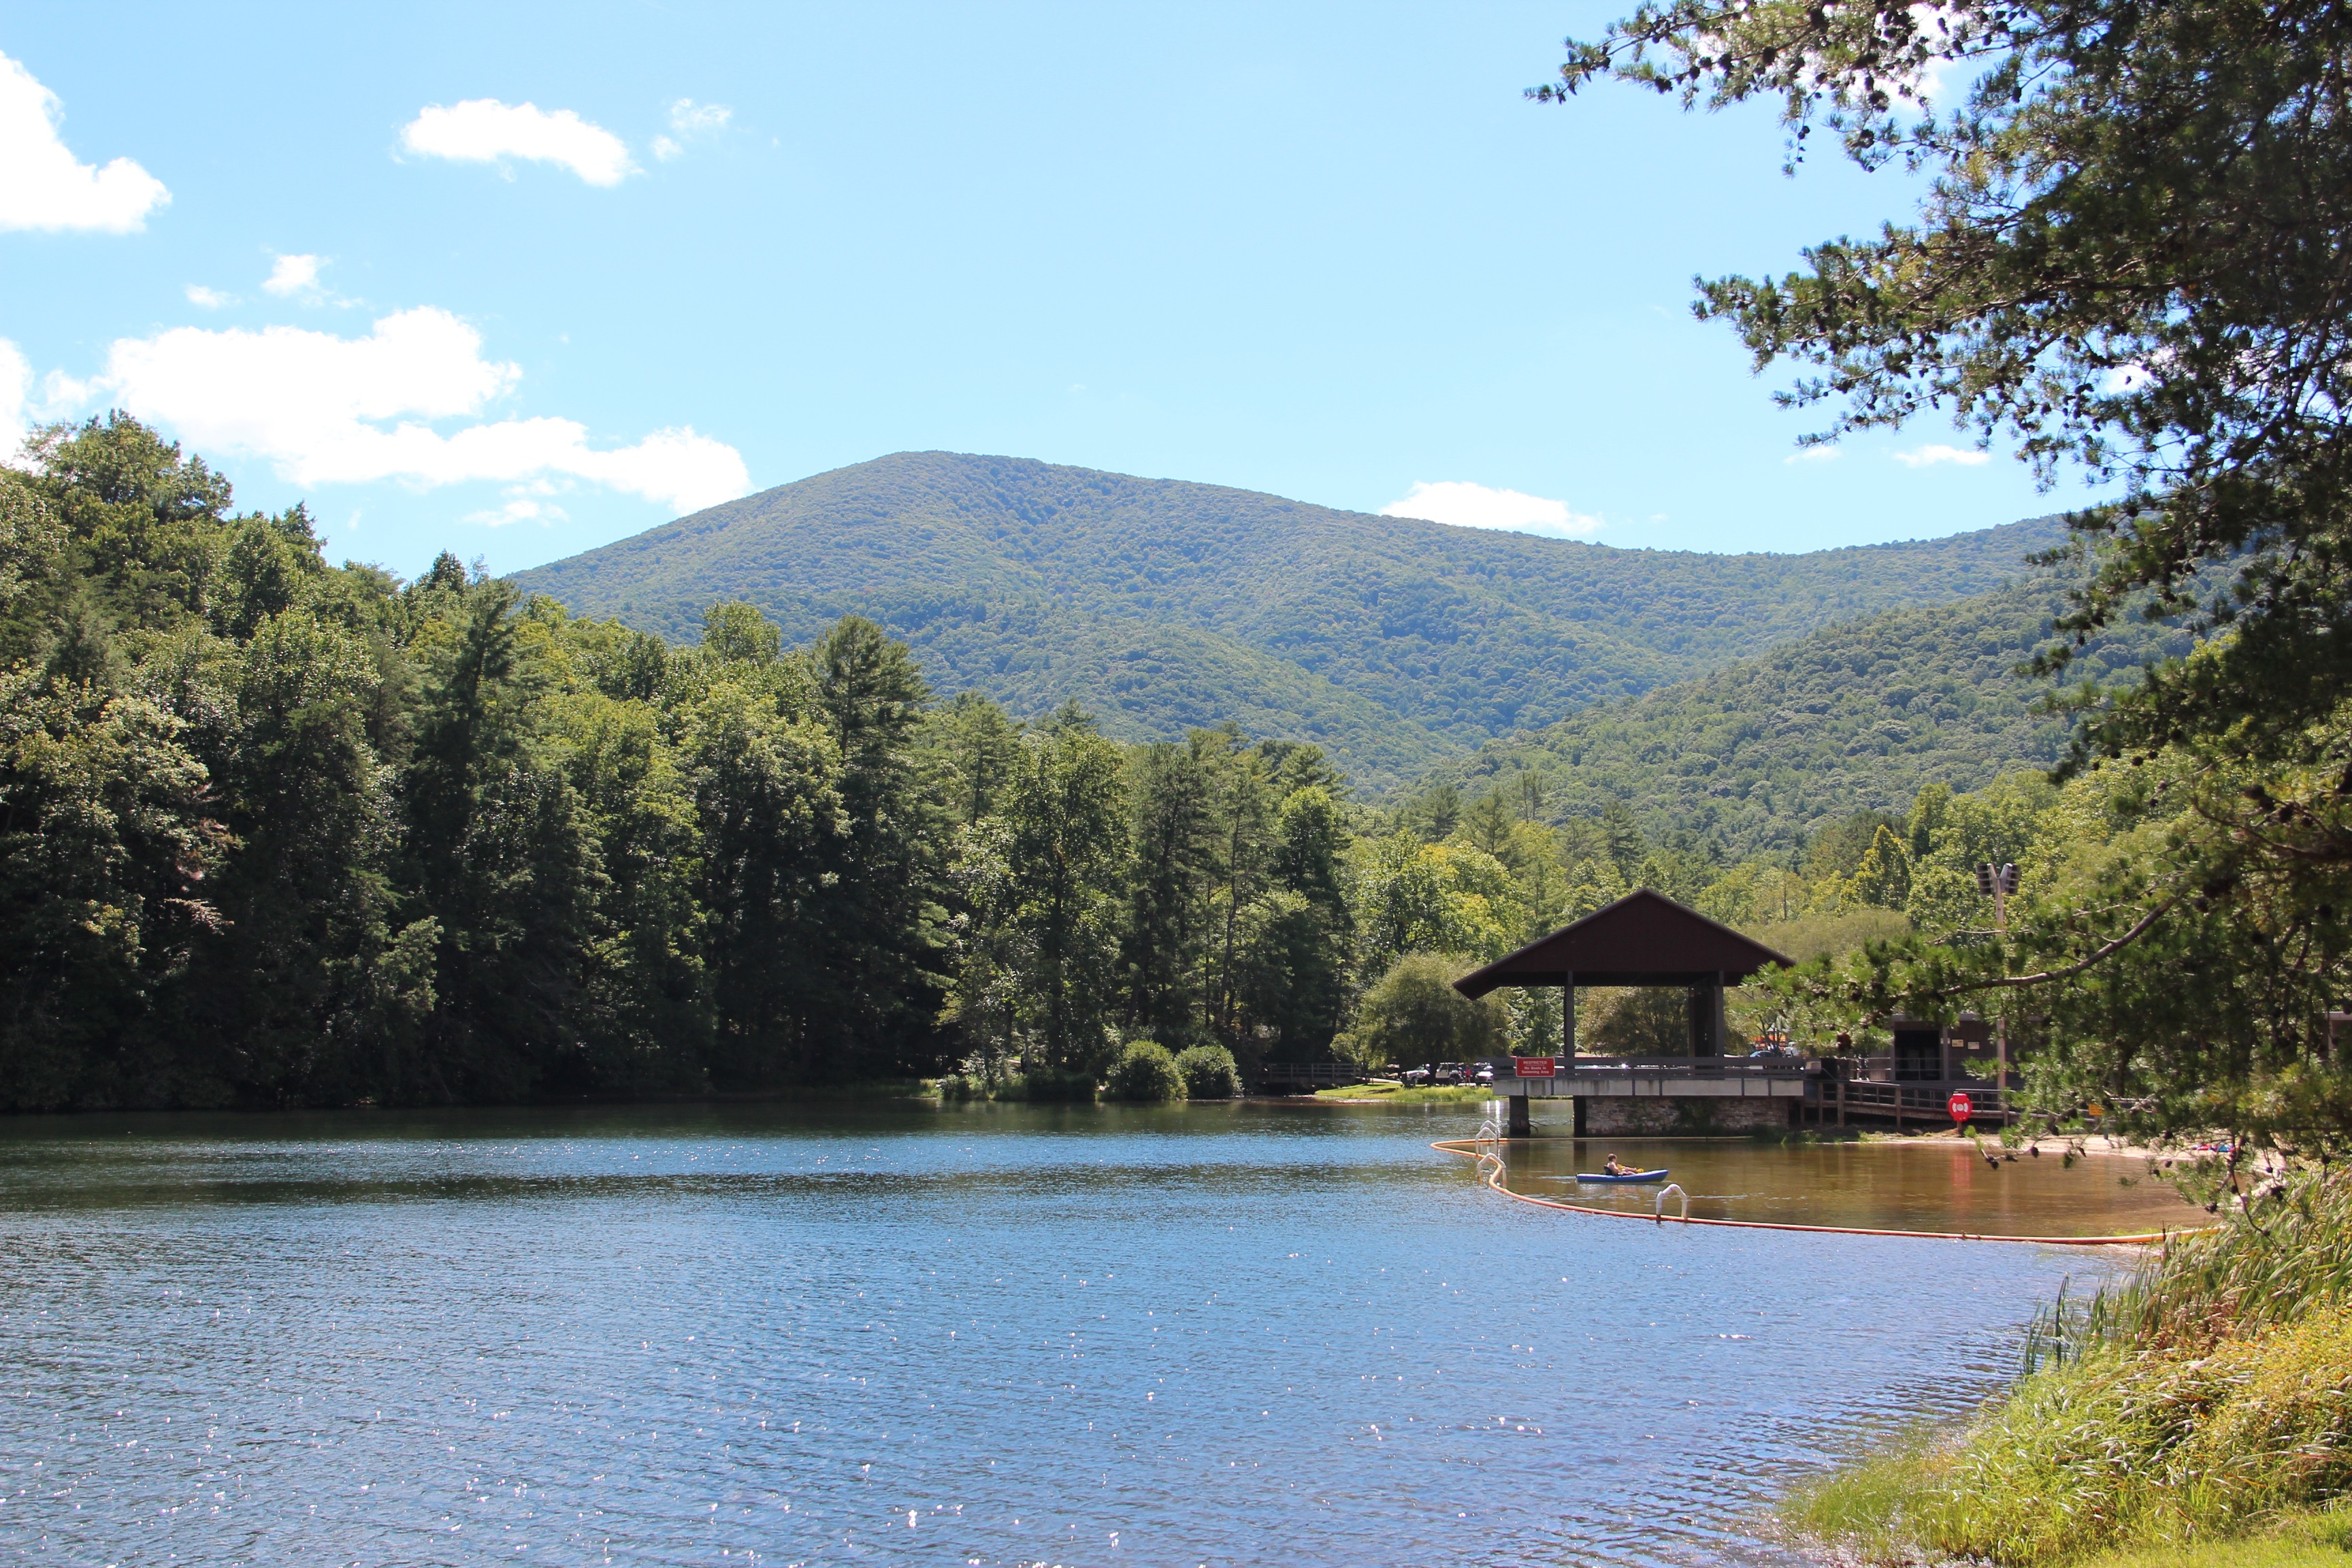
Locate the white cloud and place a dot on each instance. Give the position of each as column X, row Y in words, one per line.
column 294, row 275
column 520, row 507
column 61, row 395
column 690, row 119
column 1939, row 453
column 1812, row 455
column 329, row 410
column 1466, row 505
column 483, row 130
column 42, row 187
column 210, row 299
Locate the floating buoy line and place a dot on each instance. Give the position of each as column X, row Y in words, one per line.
column 1486, row 1147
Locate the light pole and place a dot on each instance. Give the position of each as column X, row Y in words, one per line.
column 1999, row 881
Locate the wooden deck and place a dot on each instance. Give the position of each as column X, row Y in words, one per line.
column 1726, row 1078
column 1831, row 1093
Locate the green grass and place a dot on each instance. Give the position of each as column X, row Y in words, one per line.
column 2305, row 1540
column 2205, row 1403
column 1396, row 1094
column 1851, row 1512
column 1863, row 1510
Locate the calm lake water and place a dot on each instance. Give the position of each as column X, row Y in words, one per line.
column 992, row 1335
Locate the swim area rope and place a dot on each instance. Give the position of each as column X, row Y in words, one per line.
column 1483, row 1148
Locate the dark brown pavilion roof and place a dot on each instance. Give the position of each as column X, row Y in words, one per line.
column 1643, row 939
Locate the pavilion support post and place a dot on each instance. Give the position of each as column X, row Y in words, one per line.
column 1568, row 1016
column 1707, row 1018
column 1521, row 1124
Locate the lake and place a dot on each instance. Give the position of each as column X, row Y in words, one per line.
column 979, row 1335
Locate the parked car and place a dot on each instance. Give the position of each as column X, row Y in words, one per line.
column 1486, row 1074
column 1449, row 1072
column 1416, row 1077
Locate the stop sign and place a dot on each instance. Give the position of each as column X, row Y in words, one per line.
column 1960, row 1105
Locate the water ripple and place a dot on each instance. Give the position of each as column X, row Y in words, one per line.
column 756, row 1336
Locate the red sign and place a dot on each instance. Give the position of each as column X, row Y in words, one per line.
column 1960, row 1105
column 1535, row 1066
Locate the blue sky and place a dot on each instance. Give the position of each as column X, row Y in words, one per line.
column 1323, row 251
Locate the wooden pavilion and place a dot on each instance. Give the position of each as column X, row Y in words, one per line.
column 1643, row 939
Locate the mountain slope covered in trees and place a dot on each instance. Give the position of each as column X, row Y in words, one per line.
column 1758, row 756
column 1393, row 642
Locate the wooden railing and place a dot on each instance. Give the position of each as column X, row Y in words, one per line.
column 1928, row 1103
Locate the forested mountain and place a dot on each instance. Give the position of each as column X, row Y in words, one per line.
column 1159, row 604
column 276, row 832
column 1759, row 755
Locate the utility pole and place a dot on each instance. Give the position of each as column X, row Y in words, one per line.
column 1999, row 881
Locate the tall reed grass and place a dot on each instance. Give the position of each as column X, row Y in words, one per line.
column 2208, row 1394
column 2282, row 1252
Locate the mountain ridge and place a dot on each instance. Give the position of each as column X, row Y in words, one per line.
column 1394, row 642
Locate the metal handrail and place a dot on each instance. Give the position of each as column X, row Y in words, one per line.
column 1489, row 1139
column 1675, row 1188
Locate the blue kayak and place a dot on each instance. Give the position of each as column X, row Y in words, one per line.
column 1656, row 1175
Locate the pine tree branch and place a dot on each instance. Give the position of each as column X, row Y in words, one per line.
column 2042, row 978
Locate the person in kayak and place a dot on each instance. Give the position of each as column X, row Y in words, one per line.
column 1615, row 1167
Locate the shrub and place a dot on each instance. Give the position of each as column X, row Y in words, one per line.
column 1208, row 1072
column 1145, row 1072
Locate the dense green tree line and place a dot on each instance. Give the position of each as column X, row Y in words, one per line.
column 276, row 832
